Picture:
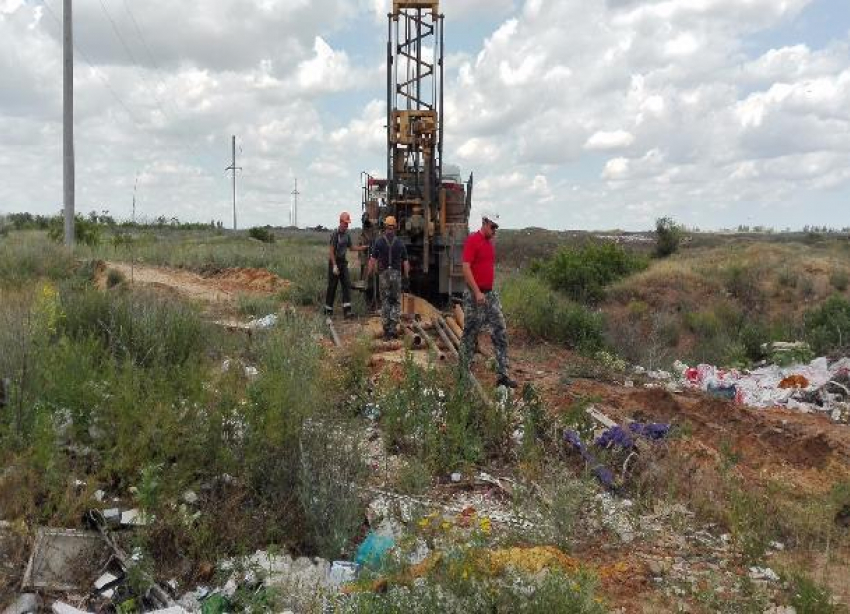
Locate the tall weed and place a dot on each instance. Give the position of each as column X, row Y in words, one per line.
column 582, row 273
column 532, row 305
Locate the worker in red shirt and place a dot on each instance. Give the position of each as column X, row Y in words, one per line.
column 481, row 305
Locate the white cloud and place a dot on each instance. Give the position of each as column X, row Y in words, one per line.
column 582, row 112
column 616, row 139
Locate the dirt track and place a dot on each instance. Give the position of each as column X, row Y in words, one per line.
column 220, row 287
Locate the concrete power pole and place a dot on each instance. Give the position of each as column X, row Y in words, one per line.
column 233, row 168
column 68, row 122
column 293, row 215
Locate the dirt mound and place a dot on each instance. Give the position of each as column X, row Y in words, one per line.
column 804, row 450
column 258, row 280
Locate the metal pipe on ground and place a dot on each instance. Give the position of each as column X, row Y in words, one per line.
column 449, row 331
column 334, row 336
column 455, row 327
column 417, row 327
column 386, row 346
column 459, row 315
column 479, row 389
column 446, row 340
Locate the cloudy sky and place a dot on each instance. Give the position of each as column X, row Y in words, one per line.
column 590, row 114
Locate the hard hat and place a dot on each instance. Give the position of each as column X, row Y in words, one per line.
column 389, row 221
column 490, row 216
column 344, row 217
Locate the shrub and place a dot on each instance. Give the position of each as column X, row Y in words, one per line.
column 138, row 325
column 331, row 469
column 806, row 286
column 827, row 327
column 742, row 281
column 114, row 278
column 582, row 273
column 839, row 280
column 787, row 277
column 440, row 423
column 26, row 256
column 668, row 236
column 86, row 231
column 531, row 305
column 261, row 233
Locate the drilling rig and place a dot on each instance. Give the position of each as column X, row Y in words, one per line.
column 429, row 200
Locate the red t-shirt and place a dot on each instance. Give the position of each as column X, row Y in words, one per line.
column 481, row 256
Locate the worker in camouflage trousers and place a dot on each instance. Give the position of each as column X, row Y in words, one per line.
column 389, row 255
column 481, row 305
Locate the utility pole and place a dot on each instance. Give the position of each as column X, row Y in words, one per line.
column 68, row 122
column 233, row 168
column 133, row 227
column 293, row 214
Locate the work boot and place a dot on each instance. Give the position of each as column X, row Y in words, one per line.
column 506, row 381
column 329, row 311
column 346, row 314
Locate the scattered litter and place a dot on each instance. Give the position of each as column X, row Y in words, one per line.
column 816, row 386
column 794, row 381
column 63, row 559
column 722, row 390
column 250, row 372
column 112, row 516
column 99, row 496
column 763, row 573
column 134, row 518
column 343, row 572
column 104, row 584
column 25, row 603
column 374, row 549
column 190, row 497
column 60, row 607
column 263, row 323
column 456, row 477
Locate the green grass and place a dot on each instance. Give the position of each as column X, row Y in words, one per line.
column 530, row 304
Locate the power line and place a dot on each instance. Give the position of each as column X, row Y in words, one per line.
column 104, row 79
column 97, row 72
column 141, row 36
column 137, row 65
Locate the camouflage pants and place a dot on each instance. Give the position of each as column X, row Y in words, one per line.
column 477, row 316
column 390, row 299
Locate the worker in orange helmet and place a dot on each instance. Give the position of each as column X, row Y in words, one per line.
column 340, row 243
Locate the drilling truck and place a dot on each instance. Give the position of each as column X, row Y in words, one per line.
column 429, row 199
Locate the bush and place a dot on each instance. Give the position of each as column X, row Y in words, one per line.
column 582, row 273
column 137, row 325
column 27, row 256
column 114, row 278
column 668, row 236
column 742, row 281
column 261, row 234
column 438, row 422
column 827, row 327
column 86, row 231
column 331, row 469
column 839, row 280
column 531, row 305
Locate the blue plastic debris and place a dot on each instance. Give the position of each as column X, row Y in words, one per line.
column 615, row 436
column 722, row 391
column 374, row 549
column 651, row 430
column 602, row 473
